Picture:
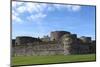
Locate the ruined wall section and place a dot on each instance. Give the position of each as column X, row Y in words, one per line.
column 26, row 39
column 43, row 49
column 74, row 45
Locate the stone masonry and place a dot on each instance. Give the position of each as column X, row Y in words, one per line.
column 60, row 42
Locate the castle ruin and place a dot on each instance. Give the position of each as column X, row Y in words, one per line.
column 59, row 42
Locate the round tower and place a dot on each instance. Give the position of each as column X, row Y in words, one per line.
column 67, row 42
column 56, row 35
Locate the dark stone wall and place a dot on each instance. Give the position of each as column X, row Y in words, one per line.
column 13, row 42
column 92, row 47
column 25, row 40
column 85, row 39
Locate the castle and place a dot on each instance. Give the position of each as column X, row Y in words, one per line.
column 59, row 42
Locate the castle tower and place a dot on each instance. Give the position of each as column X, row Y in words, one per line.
column 56, row 35
column 67, row 41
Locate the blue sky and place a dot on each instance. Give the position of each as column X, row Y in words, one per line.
column 39, row 19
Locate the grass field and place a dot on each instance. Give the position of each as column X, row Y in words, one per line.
column 28, row 60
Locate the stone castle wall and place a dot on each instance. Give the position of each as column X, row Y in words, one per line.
column 61, row 43
column 25, row 39
column 43, row 49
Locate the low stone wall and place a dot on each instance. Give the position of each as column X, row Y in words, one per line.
column 44, row 49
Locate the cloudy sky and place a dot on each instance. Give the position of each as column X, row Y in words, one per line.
column 39, row 19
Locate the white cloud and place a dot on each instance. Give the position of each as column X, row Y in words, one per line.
column 15, row 4
column 31, row 7
column 68, row 7
column 59, row 6
column 40, row 15
column 21, row 9
column 37, row 11
column 37, row 17
column 76, row 8
column 16, row 18
column 35, row 7
column 14, row 13
column 73, row 7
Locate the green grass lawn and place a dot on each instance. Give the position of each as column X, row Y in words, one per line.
column 26, row 60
